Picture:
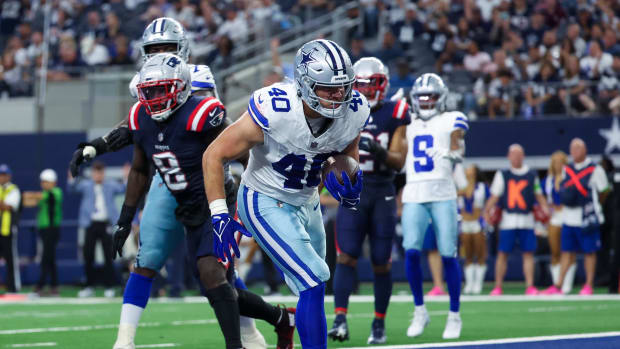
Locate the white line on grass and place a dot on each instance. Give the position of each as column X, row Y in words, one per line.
column 31, row 345
column 162, row 345
column 496, row 341
column 328, row 299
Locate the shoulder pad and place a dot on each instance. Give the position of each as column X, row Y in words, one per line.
column 270, row 101
column 132, row 119
column 401, row 108
column 209, row 111
column 133, row 85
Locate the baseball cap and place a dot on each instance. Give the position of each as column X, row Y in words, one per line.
column 5, row 169
column 48, row 175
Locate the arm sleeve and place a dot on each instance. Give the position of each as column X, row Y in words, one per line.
column 13, row 199
column 599, row 180
column 497, row 186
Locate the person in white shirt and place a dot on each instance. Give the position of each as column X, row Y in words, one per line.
column 584, row 189
column 516, row 190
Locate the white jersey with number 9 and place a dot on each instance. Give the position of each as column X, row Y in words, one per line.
column 430, row 179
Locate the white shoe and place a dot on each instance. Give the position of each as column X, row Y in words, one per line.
column 87, row 292
column 453, row 326
column 125, row 337
column 252, row 339
column 480, row 272
column 419, row 322
column 109, row 293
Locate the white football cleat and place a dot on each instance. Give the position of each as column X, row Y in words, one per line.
column 251, row 338
column 125, row 336
column 86, row 292
column 453, row 326
column 419, row 322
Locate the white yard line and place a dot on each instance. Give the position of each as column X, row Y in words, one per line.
column 33, row 345
column 162, row 345
column 495, row 341
column 399, row 298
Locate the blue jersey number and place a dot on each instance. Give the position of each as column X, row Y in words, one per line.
column 279, row 104
column 355, row 101
column 292, row 168
column 422, row 162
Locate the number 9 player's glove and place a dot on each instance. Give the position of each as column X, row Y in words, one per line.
column 224, row 228
column 346, row 193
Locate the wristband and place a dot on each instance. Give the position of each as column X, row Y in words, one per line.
column 127, row 214
column 218, row 207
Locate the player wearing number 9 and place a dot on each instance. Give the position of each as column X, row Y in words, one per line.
column 383, row 149
column 290, row 130
column 435, row 141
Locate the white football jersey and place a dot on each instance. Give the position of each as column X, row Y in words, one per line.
column 431, row 179
column 287, row 165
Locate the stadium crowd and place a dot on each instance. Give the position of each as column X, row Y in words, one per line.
column 523, row 58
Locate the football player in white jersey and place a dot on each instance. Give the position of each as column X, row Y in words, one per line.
column 290, row 130
column 435, row 141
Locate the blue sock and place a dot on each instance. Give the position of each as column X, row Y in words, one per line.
column 344, row 278
column 137, row 290
column 453, row 279
column 240, row 284
column 414, row 275
column 310, row 318
column 383, row 291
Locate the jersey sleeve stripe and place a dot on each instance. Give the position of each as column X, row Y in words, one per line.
column 192, row 118
column 257, row 116
column 201, row 115
column 461, row 125
column 133, row 117
column 461, row 118
column 399, row 109
column 207, row 114
column 202, row 84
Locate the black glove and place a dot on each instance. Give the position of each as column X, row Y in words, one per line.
column 122, row 229
column 118, row 138
column 370, row 145
column 78, row 155
column 121, row 232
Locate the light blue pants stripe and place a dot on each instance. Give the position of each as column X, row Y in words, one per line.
column 293, row 236
column 443, row 214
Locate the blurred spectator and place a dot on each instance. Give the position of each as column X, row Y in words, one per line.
column 357, row 50
column 597, row 63
column 541, row 96
column 574, row 93
column 534, row 34
column 235, row 27
column 519, row 15
column 573, row 35
column 221, row 57
column 11, row 13
column 464, row 36
column 13, row 80
column 551, row 47
column 93, row 26
column 390, row 50
column 93, row 53
column 533, row 63
column 441, row 35
column 402, row 79
column 610, row 42
column 502, row 95
column 486, row 8
column 49, row 218
column 475, row 60
column 119, row 51
column 97, row 213
column 10, row 206
column 552, row 10
column 68, row 64
column 183, row 11
column 407, row 29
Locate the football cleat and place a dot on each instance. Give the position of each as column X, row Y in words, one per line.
column 125, row 336
column 251, row 338
column 340, row 330
column 419, row 322
column 453, row 326
column 285, row 329
column 377, row 333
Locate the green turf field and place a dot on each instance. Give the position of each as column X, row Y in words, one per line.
column 191, row 324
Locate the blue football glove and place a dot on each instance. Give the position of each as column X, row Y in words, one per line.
column 224, row 228
column 346, row 193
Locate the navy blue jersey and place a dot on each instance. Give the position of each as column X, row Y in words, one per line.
column 383, row 122
column 175, row 147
